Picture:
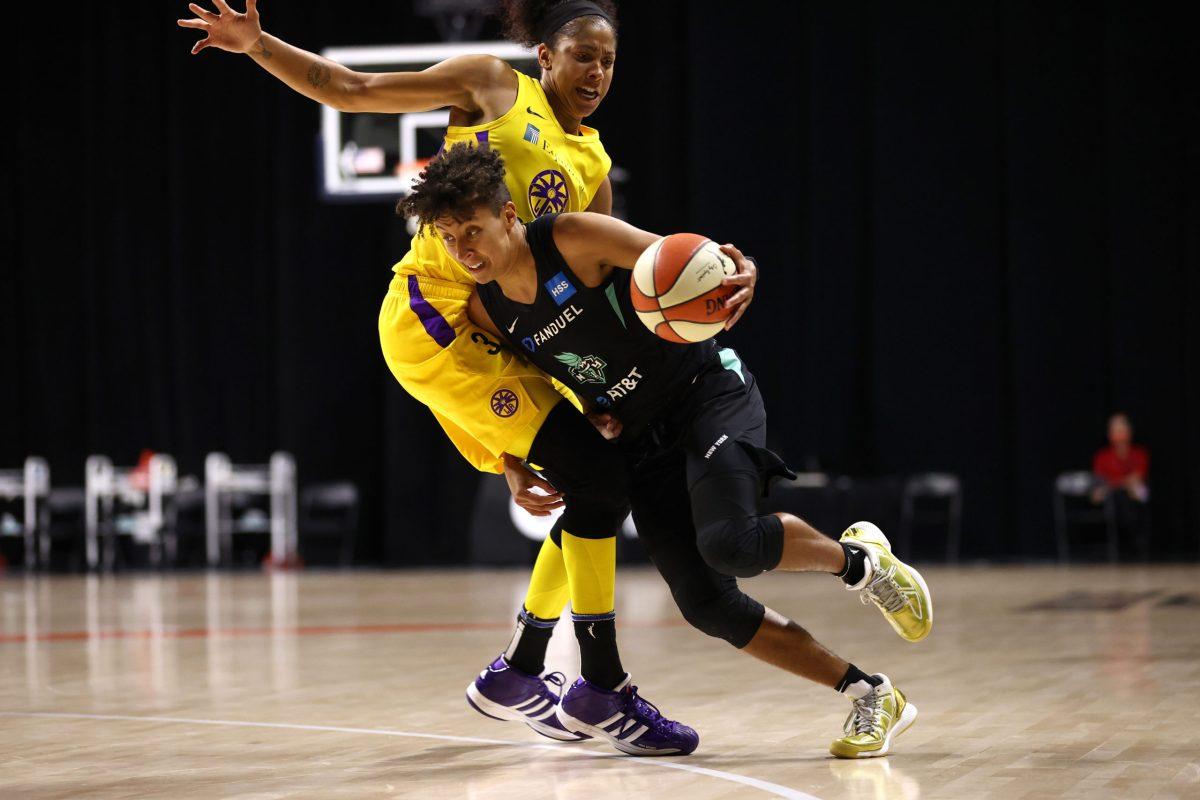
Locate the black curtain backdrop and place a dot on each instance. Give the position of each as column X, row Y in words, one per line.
column 977, row 226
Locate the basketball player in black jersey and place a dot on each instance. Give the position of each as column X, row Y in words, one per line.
column 692, row 437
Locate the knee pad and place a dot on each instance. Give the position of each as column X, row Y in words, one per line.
column 730, row 615
column 742, row 546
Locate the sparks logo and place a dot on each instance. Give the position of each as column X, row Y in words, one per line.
column 548, row 193
column 504, row 403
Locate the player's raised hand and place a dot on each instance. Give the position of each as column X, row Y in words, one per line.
column 522, row 483
column 226, row 29
column 745, row 277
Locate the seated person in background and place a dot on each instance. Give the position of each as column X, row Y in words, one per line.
column 1123, row 465
column 1121, row 470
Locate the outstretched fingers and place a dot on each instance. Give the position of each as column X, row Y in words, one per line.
column 203, row 13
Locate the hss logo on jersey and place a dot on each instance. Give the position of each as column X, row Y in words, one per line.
column 560, row 288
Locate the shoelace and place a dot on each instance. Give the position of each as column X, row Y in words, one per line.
column 556, row 678
column 642, row 707
column 864, row 715
column 884, row 591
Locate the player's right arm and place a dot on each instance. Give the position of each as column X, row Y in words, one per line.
column 478, row 84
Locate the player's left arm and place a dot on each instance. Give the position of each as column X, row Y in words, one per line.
column 594, row 244
column 603, row 198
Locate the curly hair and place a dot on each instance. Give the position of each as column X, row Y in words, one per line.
column 523, row 20
column 456, row 183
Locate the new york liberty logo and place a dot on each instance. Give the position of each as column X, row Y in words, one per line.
column 548, row 193
column 588, row 369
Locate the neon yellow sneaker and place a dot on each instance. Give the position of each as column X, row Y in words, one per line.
column 896, row 589
column 877, row 717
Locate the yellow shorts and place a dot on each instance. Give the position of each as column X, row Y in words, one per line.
column 488, row 400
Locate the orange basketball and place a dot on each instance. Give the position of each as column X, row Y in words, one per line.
column 677, row 291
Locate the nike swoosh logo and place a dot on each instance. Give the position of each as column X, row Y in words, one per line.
column 514, row 324
column 531, row 111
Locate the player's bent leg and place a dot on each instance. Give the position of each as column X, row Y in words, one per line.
column 514, row 687
column 591, row 476
column 896, row 589
column 783, row 643
column 723, row 611
column 603, row 702
column 733, row 538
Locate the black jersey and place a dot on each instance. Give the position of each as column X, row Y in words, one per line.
column 590, row 338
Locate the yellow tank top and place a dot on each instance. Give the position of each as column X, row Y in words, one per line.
column 547, row 171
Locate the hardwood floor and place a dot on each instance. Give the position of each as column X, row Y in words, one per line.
column 1037, row 682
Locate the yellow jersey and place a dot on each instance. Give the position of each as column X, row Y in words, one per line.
column 547, row 171
column 488, row 400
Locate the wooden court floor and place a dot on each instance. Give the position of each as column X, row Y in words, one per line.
column 1037, row 682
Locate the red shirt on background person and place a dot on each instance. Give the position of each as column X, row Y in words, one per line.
column 1123, row 464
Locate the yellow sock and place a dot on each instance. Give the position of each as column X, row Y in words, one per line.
column 591, row 572
column 548, row 585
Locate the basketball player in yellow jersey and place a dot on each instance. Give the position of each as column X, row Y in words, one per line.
column 497, row 409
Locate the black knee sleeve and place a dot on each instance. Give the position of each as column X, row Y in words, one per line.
column 743, row 546
column 730, row 615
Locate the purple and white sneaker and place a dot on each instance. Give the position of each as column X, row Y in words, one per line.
column 633, row 725
column 506, row 693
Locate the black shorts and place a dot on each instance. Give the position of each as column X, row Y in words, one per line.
column 714, row 439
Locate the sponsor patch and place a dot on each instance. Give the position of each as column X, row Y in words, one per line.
column 553, row 328
column 560, row 288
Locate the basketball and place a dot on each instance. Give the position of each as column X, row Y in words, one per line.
column 677, row 291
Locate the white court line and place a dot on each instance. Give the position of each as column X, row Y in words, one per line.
column 766, row 786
